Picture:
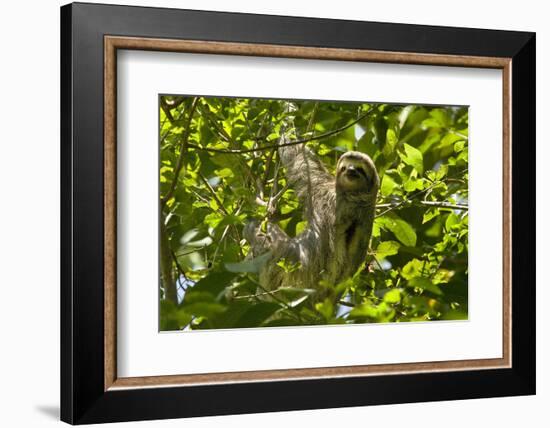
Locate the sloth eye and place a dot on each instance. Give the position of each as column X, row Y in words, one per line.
column 342, row 168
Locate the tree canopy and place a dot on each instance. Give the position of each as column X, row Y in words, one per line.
column 219, row 169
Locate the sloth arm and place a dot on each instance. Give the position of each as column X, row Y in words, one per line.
column 307, row 175
column 312, row 184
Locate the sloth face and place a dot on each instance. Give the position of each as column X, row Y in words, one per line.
column 356, row 173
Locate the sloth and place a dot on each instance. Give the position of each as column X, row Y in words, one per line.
column 339, row 212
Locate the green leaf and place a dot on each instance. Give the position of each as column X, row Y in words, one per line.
column 413, row 157
column 204, row 309
column 459, row 146
column 441, row 116
column 450, row 139
column 443, row 276
column 188, row 236
column 244, row 314
column 300, row 227
column 293, row 296
column 251, row 266
column 413, row 184
column 391, row 139
column 430, row 214
column 387, row 248
column 213, row 219
column 325, row 308
column 430, row 123
column 224, row 172
column 288, row 266
column 256, row 314
column 452, row 220
column 404, row 114
column 212, row 284
column 391, row 143
column 402, row 230
column 387, row 186
column 171, row 317
column 364, row 310
column 393, row 296
column 412, row 269
column 425, row 284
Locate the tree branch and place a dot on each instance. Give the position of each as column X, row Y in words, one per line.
column 174, row 103
column 237, row 236
column 178, row 266
column 167, row 276
column 265, row 291
column 436, row 204
column 439, row 204
column 410, row 200
column 167, row 111
column 276, row 146
column 205, row 111
column 183, row 151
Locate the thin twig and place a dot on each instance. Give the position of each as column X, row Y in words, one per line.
column 312, row 117
column 440, row 204
column 180, row 269
column 167, row 111
column 237, row 236
column 272, row 294
column 213, row 193
column 253, row 296
column 205, row 111
column 437, row 204
column 410, row 198
column 276, row 146
column 224, row 234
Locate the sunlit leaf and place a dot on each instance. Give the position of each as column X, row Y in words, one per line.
column 388, row 185
column 413, row 157
column 393, row 296
column 413, row 269
column 387, row 248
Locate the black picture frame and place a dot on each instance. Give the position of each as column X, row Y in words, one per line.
column 83, row 396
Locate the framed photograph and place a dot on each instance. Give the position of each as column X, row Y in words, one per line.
column 266, row 213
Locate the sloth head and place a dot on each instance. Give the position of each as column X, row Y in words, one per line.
column 356, row 173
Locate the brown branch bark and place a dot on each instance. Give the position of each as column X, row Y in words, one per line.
column 166, row 268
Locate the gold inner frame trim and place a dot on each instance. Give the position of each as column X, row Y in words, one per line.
column 113, row 43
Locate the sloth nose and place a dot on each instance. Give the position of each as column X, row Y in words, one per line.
column 352, row 172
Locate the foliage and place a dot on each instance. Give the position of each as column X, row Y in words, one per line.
column 219, row 169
